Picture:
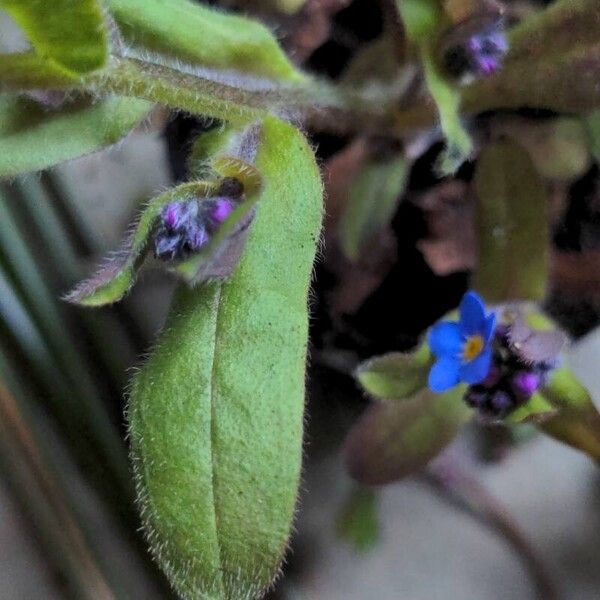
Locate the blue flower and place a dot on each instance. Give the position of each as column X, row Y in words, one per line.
column 463, row 349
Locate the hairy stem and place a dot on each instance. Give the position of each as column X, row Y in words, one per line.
column 461, row 488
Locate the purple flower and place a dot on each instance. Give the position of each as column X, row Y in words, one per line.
column 167, row 246
column 223, row 207
column 462, row 348
column 195, row 237
column 475, row 48
column 181, row 231
column 525, row 384
column 176, row 215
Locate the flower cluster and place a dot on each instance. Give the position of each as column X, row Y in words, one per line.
column 511, row 381
column 185, row 227
column 504, row 365
column 475, row 49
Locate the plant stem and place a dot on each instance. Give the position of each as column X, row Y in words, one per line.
column 463, row 490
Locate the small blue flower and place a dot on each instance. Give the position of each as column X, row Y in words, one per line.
column 463, row 349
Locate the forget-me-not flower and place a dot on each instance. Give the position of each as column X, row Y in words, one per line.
column 463, row 349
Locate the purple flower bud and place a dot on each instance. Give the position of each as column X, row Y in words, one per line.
column 222, row 209
column 476, row 397
column 176, row 215
column 167, row 246
column 195, row 237
column 501, row 402
column 475, row 48
column 525, row 383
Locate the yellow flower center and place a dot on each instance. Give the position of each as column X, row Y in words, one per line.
column 473, row 347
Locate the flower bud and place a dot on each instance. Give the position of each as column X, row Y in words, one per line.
column 223, row 207
column 475, row 48
column 525, row 383
column 167, row 246
column 501, row 402
column 176, row 215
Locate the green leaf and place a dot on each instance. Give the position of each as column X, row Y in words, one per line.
column 394, row 439
column 578, row 421
column 33, row 137
column 203, row 36
column 558, row 147
column 373, row 199
column 357, row 522
column 424, row 20
column 535, row 410
column 511, row 226
column 72, row 34
column 592, row 125
column 397, row 375
column 26, row 70
column 216, row 412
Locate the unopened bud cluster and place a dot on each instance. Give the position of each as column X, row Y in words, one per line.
column 186, row 226
column 475, row 49
column 511, row 381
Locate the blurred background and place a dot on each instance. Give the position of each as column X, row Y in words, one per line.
column 519, row 519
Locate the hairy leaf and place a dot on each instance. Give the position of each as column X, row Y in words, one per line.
column 357, row 522
column 215, row 414
column 72, row 34
column 33, row 137
column 27, row 70
column 535, row 410
column 578, row 421
column 397, row 375
column 511, row 226
column 394, row 439
column 558, row 147
column 424, row 20
column 373, row 198
column 592, row 125
column 203, row 36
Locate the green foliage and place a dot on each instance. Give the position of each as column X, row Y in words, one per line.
column 395, row 439
column 592, row 125
column 357, row 521
column 397, row 375
column 70, row 34
column 424, row 20
column 371, row 204
column 511, row 226
column 33, row 137
column 203, row 36
column 216, row 412
column 27, row 70
column 558, row 147
column 553, row 56
column 577, row 422
column 536, row 410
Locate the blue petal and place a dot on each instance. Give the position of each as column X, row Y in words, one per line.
column 444, row 374
column 489, row 326
column 472, row 314
column 445, row 339
column 477, row 370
